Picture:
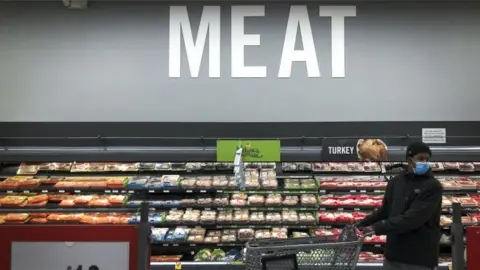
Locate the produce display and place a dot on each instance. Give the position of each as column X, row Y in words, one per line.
column 199, row 213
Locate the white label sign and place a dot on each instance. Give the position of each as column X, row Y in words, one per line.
column 70, row 255
column 434, row 135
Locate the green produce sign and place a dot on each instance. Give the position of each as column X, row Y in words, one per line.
column 253, row 150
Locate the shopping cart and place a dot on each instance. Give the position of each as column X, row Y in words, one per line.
column 337, row 252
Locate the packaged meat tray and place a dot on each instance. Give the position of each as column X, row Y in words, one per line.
column 178, row 166
column 436, row 166
column 171, row 180
column 166, row 166
column 193, row 166
column 466, row 167
column 245, row 235
column 224, row 166
column 213, row 237
column 208, row 217
column 138, row 182
column 256, row 200
column 225, row 217
column 240, row 217
column 450, row 165
column 21, row 217
column 279, row 233
column 257, row 218
column 28, row 169
column 229, row 236
column 220, row 182
column 204, row 182
column 273, row 218
column 13, row 201
column 289, row 167
column 273, row 200
column 290, row 201
column 145, row 166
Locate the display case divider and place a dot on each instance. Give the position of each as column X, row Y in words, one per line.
column 458, row 248
column 144, row 239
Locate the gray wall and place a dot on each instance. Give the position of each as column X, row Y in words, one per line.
column 404, row 62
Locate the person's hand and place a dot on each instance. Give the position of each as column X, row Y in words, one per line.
column 367, row 230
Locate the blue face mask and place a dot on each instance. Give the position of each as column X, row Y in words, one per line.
column 421, row 168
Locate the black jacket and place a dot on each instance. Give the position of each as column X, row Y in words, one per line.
column 410, row 217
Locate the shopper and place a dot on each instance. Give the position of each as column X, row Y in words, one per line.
column 410, row 215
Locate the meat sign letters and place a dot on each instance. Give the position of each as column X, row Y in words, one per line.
column 298, row 19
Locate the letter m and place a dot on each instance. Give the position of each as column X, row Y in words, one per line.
column 180, row 24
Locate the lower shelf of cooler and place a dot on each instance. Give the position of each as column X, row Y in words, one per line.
column 228, row 266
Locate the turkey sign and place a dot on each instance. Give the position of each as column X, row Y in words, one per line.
column 298, row 26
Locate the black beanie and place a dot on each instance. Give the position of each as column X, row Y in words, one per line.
column 416, row 148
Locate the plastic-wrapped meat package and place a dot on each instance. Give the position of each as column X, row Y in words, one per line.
column 170, row 180
column 128, row 167
column 273, row 218
column 263, row 234
column 193, row 166
column 304, row 166
column 84, row 199
column 204, row 201
column 292, row 184
column 280, row 233
column 308, row 184
column 12, row 200
column 191, row 217
column 289, row 167
column 60, row 166
column 204, row 182
column 256, row 200
column 321, row 167
column 245, row 235
column 20, row 217
column 308, row 200
column 188, row 182
column 290, row 217
column 27, row 169
column 229, row 236
column 178, row 166
column 240, row 216
column 290, row 200
column 38, row 198
column 220, row 182
column 116, row 182
column 213, row 237
column 257, row 217
column 273, row 200
column 355, row 167
column 450, row 165
column 145, row 166
column 221, row 200
column 306, row 218
column 166, row 166
column 223, row 166
column 208, row 166
column 225, row 217
column 208, row 217
column 8, row 183
column 466, row 167
column 116, row 199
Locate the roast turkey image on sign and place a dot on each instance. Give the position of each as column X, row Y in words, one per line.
column 372, row 150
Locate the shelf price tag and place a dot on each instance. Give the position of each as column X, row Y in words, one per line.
column 178, row 266
column 74, row 255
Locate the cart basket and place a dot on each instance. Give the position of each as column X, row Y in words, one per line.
column 337, row 252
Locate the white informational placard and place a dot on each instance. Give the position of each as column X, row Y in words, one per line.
column 70, row 255
column 434, row 135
